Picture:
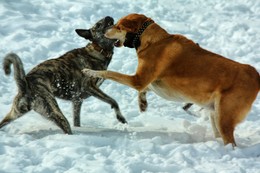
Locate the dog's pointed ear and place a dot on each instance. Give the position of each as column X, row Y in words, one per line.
column 84, row 33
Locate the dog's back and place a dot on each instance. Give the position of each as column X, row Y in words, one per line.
column 64, row 74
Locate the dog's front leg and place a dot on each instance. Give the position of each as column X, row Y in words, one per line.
column 139, row 81
column 96, row 92
column 76, row 112
column 142, row 101
column 118, row 77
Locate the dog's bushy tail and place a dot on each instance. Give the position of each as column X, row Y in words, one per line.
column 19, row 74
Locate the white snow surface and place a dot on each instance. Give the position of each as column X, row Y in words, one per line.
column 165, row 138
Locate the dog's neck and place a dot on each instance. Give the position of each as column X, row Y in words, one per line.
column 152, row 35
column 95, row 50
column 133, row 39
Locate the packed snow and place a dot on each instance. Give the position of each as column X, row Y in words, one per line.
column 165, row 138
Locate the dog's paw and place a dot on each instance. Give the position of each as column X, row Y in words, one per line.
column 121, row 119
column 91, row 73
column 142, row 102
column 143, row 106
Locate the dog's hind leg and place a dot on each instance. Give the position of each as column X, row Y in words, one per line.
column 11, row 116
column 231, row 108
column 48, row 107
column 76, row 112
column 187, row 106
column 7, row 119
column 96, row 92
column 21, row 105
column 213, row 119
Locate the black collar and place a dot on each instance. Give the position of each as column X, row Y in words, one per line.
column 96, row 47
column 99, row 54
column 133, row 39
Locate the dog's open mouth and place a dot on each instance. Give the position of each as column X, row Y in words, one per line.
column 117, row 43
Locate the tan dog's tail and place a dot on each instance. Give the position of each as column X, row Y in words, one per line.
column 19, row 74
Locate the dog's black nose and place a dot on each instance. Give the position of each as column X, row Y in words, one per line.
column 109, row 20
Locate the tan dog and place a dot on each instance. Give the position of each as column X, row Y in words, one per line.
column 177, row 69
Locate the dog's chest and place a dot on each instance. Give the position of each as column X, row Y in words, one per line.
column 165, row 92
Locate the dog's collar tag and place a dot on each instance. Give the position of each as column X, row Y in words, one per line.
column 133, row 39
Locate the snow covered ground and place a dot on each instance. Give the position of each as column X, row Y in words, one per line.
column 165, row 138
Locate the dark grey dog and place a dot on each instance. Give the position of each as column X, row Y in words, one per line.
column 62, row 78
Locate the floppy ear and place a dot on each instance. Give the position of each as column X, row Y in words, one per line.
column 84, row 33
column 129, row 25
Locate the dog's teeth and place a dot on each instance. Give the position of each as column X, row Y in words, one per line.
column 117, row 43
